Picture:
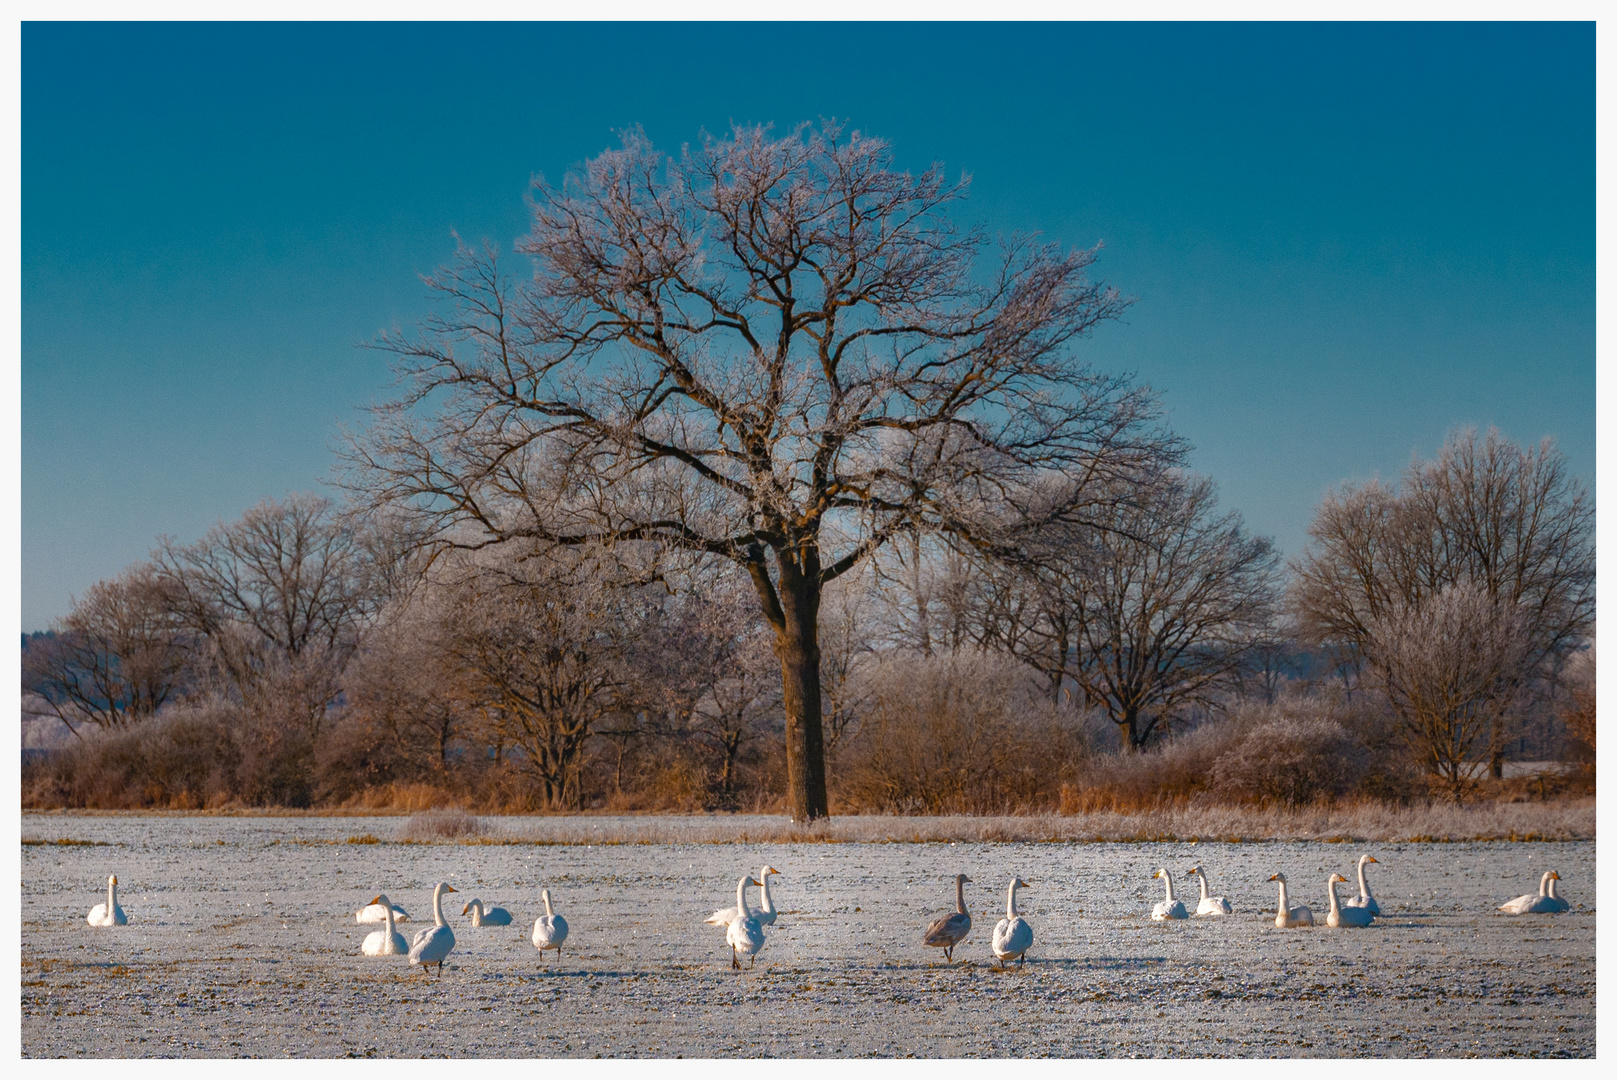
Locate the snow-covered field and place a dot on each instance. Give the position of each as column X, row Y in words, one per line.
column 242, row 941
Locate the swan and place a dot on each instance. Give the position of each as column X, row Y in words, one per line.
column 108, row 914
column 1345, row 916
column 1169, row 908
column 1286, row 915
column 433, row 943
column 549, row 929
column 1209, row 905
column 947, row 931
column 494, row 916
column 766, row 911
column 373, row 913
column 1542, row 904
column 745, row 934
column 1012, row 935
column 1364, row 899
column 1559, row 903
column 387, row 941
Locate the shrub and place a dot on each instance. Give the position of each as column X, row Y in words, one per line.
column 956, row 733
column 447, row 824
column 1293, row 755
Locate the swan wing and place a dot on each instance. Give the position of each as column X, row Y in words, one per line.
column 496, row 916
column 374, row 943
column 1012, row 937
column 1519, row 906
column 432, row 945
column 745, row 936
column 948, row 929
column 98, row 916
column 722, row 917
column 1213, row 905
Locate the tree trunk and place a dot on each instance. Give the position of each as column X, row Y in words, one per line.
column 797, row 646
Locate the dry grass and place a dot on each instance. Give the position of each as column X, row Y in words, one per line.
column 440, row 825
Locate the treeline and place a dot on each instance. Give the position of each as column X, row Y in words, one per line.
column 304, row 655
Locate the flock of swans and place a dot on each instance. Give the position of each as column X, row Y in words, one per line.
column 744, row 927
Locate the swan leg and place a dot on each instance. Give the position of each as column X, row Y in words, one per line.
column 735, row 965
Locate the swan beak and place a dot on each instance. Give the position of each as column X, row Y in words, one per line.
column 755, row 881
column 1274, row 877
column 1372, row 858
column 376, row 900
column 770, row 870
column 450, row 888
column 465, row 909
column 115, row 879
column 1553, row 874
column 967, row 880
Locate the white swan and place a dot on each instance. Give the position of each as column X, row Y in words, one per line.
column 433, row 943
column 947, row 931
column 373, row 913
column 1170, row 908
column 1542, row 904
column 766, row 910
column 1286, row 915
column 1364, row 899
column 1209, row 905
column 1012, row 935
column 1341, row 916
column 549, row 929
column 1558, row 903
column 386, row 941
column 745, row 934
column 108, row 914
column 494, row 916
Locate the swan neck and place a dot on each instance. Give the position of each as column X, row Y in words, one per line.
column 741, row 899
column 1544, row 884
column 1202, row 878
column 1364, row 886
column 438, row 905
column 768, row 902
column 1284, row 906
column 387, row 917
column 112, row 895
column 1331, row 885
column 959, row 896
column 1010, row 901
column 1167, row 883
column 545, row 896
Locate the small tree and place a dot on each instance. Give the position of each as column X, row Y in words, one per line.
column 1450, row 665
column 119, row 656
column 280, row 595
column 779, row 352
column 541, row 647
column 1485, row 513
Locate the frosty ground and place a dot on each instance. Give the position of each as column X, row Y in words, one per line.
column 242, row 942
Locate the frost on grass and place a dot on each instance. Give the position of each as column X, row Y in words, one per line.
column 440, row 825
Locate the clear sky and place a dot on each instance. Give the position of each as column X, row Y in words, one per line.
column 1344, row 240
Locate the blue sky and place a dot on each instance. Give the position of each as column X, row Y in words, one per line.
column 1343, row 240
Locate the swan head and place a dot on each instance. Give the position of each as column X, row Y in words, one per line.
column 755, row 881
column 1193, row 870
column 112, row 879
column 1366, row 859
column 468, row 908
column 1553, row 876
column 962, row 879
column 381, row 898
column 1278, row 877
column 1336, row 877
column 1020, row 884
column 766, row 871
column 1160, row 873
column 444, row 886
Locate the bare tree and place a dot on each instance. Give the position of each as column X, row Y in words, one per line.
column 1450, row 664
column 540, row 646
column 1167, row 604
column 1484, row 512
column 776, row 351
column 403, row 681
column 280, row 595
column 118, row 656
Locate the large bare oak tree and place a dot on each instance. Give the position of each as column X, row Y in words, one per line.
column 780, row 352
